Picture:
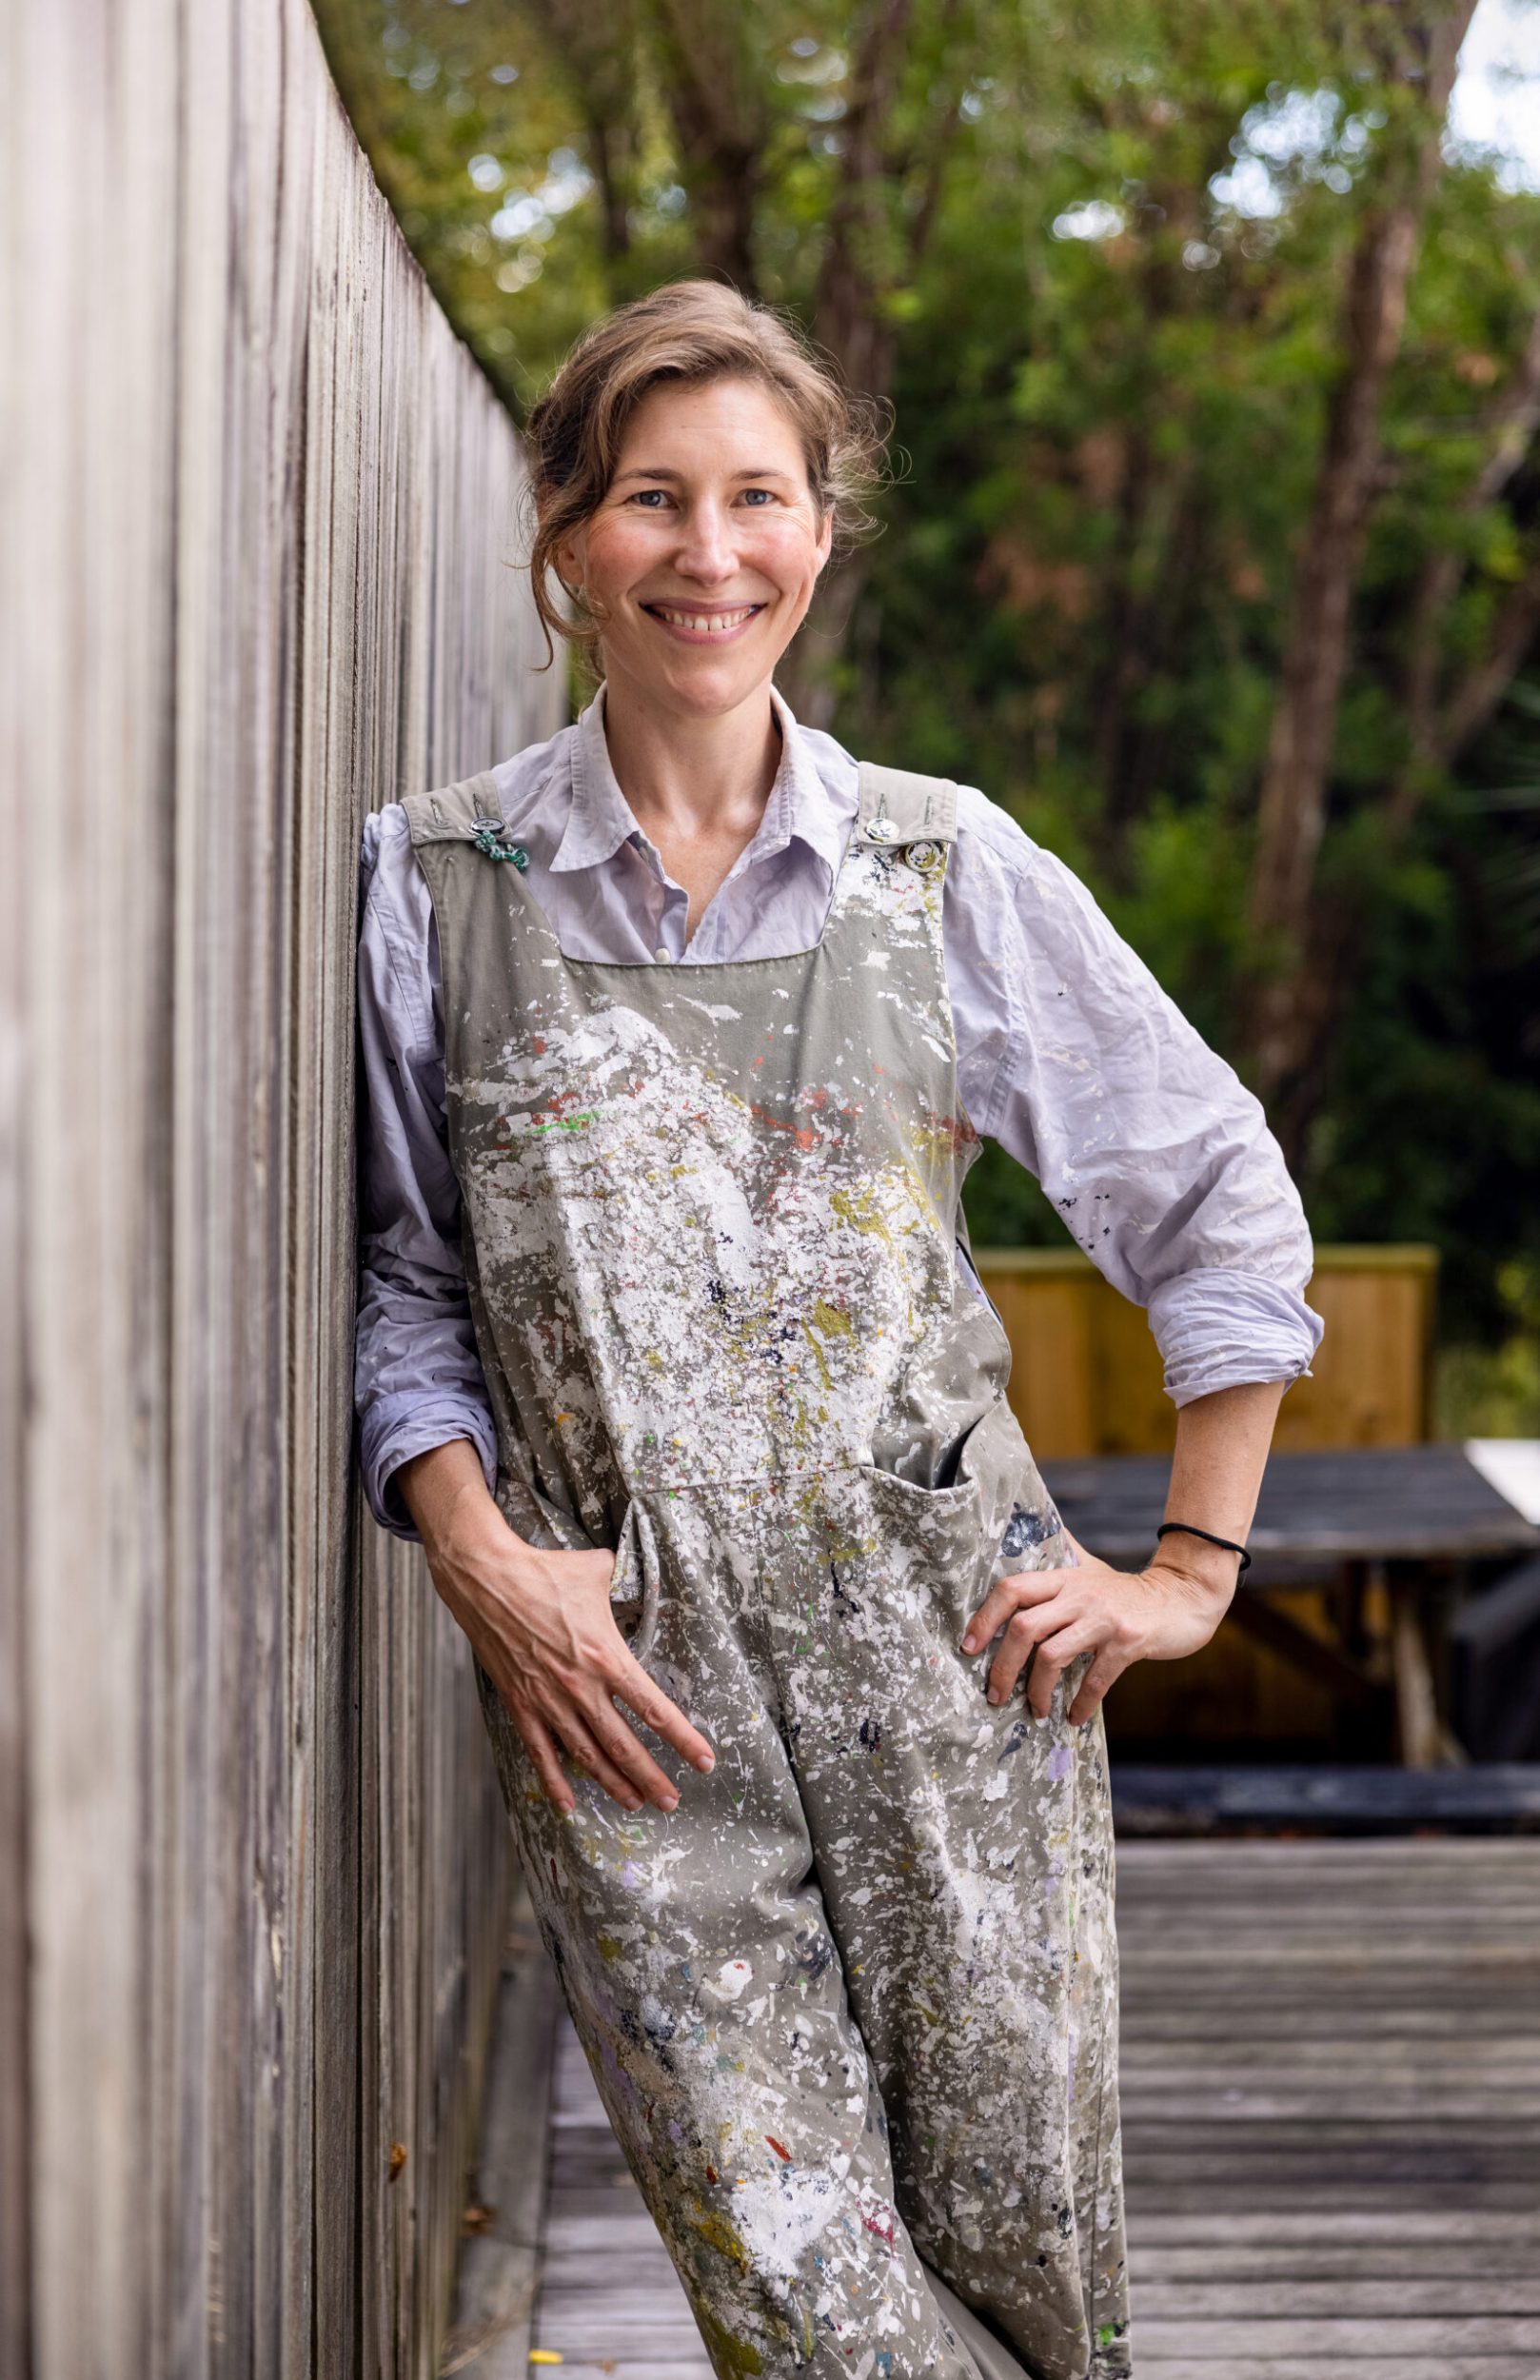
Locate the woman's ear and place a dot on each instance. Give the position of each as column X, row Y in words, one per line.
column 825, row 543
column 569, row 557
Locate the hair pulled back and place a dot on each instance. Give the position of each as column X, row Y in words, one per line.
column 689, row 332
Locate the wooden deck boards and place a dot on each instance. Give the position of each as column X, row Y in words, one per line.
column 1331, row 2086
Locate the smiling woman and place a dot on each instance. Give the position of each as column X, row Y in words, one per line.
column 786, row 438
column 710, row 1432
column 690, row 546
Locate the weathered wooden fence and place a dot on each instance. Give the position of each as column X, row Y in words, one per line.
column 257, row 560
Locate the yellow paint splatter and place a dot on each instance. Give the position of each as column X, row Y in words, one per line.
column 721, row 2234
column 728, row 2352
column 818, row 1356
column 861, row 1211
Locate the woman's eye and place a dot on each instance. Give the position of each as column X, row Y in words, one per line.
column 644, row 496
column 753, row 494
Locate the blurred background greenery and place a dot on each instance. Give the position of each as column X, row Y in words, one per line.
column 1213, row 552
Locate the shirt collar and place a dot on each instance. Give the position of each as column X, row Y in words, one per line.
column 601, row 819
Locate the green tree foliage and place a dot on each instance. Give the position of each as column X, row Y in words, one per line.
column 1110, row 264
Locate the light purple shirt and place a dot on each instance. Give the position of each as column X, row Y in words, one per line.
column 1069, row 1054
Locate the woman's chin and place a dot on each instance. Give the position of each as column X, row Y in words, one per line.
column 695, row 682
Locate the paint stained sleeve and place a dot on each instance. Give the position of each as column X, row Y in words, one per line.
column 418, row 1381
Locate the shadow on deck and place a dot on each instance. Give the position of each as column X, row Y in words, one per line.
column 1331, row 2064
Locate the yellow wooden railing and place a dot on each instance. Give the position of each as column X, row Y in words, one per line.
column 1086, row 1376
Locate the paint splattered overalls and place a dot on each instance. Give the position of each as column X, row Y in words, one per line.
column 852, row 2007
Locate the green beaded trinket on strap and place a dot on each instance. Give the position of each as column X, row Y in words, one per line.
column 487, row 834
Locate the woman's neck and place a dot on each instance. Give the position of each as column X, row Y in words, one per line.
column 692, row 778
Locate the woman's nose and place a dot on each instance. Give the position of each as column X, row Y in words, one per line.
column 708, row 549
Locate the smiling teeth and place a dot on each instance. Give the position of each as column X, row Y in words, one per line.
column 714, row 623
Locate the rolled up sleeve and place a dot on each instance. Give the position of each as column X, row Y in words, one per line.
column 418, row 1380
column 1155, row 1154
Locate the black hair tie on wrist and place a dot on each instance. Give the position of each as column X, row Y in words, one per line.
column 1229, row 1543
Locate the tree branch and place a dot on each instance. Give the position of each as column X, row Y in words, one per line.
column 1476, row 699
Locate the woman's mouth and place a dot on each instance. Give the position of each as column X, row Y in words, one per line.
column 703, row 627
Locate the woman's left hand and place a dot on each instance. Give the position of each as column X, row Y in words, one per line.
column 1157, row 1614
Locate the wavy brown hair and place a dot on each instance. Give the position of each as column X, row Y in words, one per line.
column 692, row 332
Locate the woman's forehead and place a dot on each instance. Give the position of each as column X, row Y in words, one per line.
column 707, row 421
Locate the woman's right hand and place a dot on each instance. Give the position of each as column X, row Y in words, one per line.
column 540, row 1625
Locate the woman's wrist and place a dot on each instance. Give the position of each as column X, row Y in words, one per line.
column 1204, row 1569
column 452, row 1509
column 1221, row 1451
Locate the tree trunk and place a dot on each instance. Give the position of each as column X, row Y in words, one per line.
column 864, row 258
column 1442, row 722
column 1292, row 812
column 720, row 126
column 1508, row 429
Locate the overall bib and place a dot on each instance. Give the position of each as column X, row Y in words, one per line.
column 852, row 2007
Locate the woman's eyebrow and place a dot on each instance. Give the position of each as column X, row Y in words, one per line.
column 648, row 471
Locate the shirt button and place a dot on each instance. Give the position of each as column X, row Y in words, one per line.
column 664, row 958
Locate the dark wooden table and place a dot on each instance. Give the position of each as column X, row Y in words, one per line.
column 1409, row 1520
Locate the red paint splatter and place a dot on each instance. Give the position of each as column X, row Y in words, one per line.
column 883, row 2231
column 712, row 2174
column 776, row 2146
column 803, row 1135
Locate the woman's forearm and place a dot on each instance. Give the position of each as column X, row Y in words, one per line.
column 446, row 1491
column 1222, row 1443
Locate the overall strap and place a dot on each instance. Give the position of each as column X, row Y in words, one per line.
column 898, row 806
column 452, row 813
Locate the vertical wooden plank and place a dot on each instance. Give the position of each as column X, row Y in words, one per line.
column 15, row 2224
column 1371, row 1383
column 89, row 530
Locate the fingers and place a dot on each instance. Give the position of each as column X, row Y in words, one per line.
column 537, row 1740
column 1053, row 1658
column 597, row 1740
column 601, row 1740
column 1105, row 1669
column 654, row 1708
column 1049, row 1618
column 1005, row 1596
column 1051, row 1640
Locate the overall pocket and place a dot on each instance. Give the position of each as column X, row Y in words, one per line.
column 635, row 1583
column 938, row 1537
column 995, row 1517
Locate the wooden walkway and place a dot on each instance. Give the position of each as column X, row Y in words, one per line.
column 1332, row 2125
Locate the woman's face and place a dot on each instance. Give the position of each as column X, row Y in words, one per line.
column 701, row 560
